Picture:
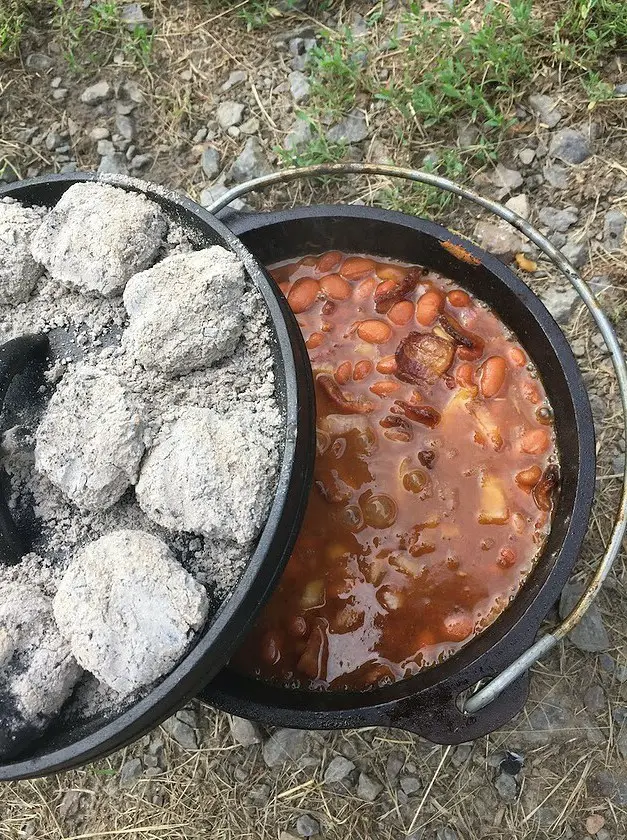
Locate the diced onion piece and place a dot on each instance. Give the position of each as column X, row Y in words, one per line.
column 313, row 595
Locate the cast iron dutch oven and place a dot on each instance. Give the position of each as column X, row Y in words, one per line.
column 67, row 745
column 430, row 703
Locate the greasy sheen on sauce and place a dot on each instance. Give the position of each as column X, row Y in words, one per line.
column 435, row 477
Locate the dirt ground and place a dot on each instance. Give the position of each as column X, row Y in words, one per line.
column 559, row 769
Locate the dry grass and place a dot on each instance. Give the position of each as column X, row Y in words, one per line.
column 206, row 794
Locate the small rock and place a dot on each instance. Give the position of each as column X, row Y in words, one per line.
column 612, row 786
column 235, row 78
column 99, row 133
column 229, row 114
column 125, row 127
column 251, row 163
column 570, row 146
column 285, row 835
column 519, row 204
column 394, row 765
column 105, row 147
column 446, row 832
column 614, row 229
column 284, row 745
column 141, row 162
column 621, row 89
column 210, row 162
column 506, row 787
column 410, row 784
column 53, row 140
column 467, row 136
column 594, row 699
column 233, row 131
column 594, row 823
column 559, row 220
column 39, row 62
column 299, row 136
column 114, row 164
column 259, row 795
column 132, row 91
column 70, row 804
column 244, row 732
column 338, row 769
column 526, row 156
column 307, row 826
column 95, row 94
column 621, row 743
column 546, row 109
column 576, row 252
column 560, row 302
column 200, row 135
column 132, row 16
column 250, row 126
column 556, row 176
column 130, row 773
column 589, row 635
column 507, row 179
column 499, row 238
column 461, row 754
column 299, row 63
column 60, row 94
column 352, row 129
column 182, row 729
column 367, row 788
column 299, row 87
column 296, row 46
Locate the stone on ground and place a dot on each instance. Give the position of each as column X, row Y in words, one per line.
column 590, row 634
column 570, row 146
column 244, row 732
column 284, row 745
column 251, row 163
column 545, row 109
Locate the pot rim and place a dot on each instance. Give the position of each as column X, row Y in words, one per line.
column 506, row 637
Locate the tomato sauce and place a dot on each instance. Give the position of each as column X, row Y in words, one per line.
column 435, row 477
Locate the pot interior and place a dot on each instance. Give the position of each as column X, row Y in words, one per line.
column 290, row 234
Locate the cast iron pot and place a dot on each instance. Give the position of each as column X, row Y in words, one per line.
column 430, row 703
column 71, row 745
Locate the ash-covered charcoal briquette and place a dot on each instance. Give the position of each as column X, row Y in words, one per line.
column 97, row 236
column 185, row 312
column 128, row 609
column 210, row 474
column 37, row 669
column 90, row 441
column 19, row 271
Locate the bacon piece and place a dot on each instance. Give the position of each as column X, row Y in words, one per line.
column 384, row 301
column 423, row 358
column 544, row 490
column 424, row 414
column 472, row 344
column 344, row 403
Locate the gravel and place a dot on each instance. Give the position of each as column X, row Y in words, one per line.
column 299, row 136
column 557, row 176
column 128, row 609
column 506, row 787
column 594, row 699
column 244, row 732
column 410, row 785
column 559, row 220
column 130, row 772
column 284, row 745
column 210, row 162
column 97, row 237
column 590, row 634
column 182, row 728
column 352, row 129
column 307, row 826
column 229, row 114
column 339, row 768
column 570, row 146
column 614, row 226
column 576, row 251
column 251, row 163
column 299, row 87
column 96, row 93
column 368, row 788
column 498, row 238
column 545, row 108
column 560, row 302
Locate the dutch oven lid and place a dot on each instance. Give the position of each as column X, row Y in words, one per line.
column 67, row 744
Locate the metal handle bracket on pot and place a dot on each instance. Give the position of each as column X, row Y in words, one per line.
column 490, row 691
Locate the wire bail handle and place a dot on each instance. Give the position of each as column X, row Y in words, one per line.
column 544, row 644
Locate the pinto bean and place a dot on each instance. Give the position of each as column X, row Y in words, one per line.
column 526, row 479
column 492, row 376
column 363, row 369
column 285, row 287
column 327, row 262
column 365, row 289
column 343, row 373
column 389, row 292
column 303, row 294
column 387, row 365
column 354, row 268
column 517, row 357
column 458, row 626
column 374, row 332
column 458, row 298
column 314, row 340
column 429, row 307
column 401, row 313
column 335, row 287
column 464, row 376
column 385, row 388
column 387, row 271
column 534, row 442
